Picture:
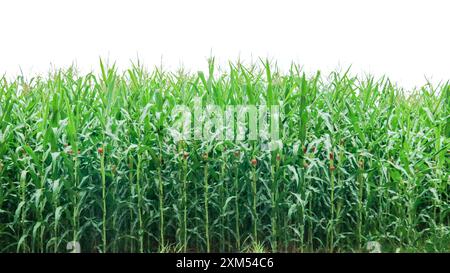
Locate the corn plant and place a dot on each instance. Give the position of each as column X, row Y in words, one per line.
column 91, row 159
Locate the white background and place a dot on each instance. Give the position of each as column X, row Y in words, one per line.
column 407, row 40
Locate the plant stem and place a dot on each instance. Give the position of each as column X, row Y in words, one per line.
column 185, row 205
column 274, row 209
column 206, row 186
column 236, row 204
column 139, row 205
column 102, row 170
column 331, row 231
column 255, row 215
column 161, row 201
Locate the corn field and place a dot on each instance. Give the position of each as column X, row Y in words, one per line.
column 88, row 158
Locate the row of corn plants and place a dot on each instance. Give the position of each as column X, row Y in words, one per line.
column 88, row 158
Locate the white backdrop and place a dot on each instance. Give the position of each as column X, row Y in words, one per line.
column 406, row 40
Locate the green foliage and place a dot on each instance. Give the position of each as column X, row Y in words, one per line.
column 90, row 159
